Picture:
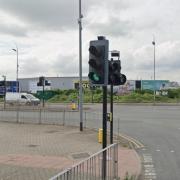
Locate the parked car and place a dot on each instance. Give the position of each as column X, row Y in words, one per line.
column 21, row 98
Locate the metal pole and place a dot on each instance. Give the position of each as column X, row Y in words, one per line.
column 43, row 91
column 17, row 68
column 111, row 110
column 104, row 131
column 80, row 68
column 111, row 122
column 17, row 71
column 154, row 44
column 4, row 91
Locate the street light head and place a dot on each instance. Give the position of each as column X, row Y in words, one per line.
column 153, row 42
column 14, row 49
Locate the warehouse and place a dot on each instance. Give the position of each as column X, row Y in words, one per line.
column 30, row 84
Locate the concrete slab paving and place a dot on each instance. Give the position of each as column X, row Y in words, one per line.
column 34, row 152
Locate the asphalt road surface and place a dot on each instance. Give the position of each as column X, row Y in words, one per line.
column 157, row 127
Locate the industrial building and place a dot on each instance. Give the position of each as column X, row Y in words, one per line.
column 30, row 84
column 62, row 83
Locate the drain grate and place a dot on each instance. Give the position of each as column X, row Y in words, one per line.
column 80, row 155
column 51, row 131
column 32, row 145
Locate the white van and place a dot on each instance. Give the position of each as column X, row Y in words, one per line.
column 21, row 98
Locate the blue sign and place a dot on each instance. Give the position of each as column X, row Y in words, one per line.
column 157, row 84
column 11, row 86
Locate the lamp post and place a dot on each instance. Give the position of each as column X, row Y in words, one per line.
column 154, row 44
column 80, row 68
column 4, row 90
column 17, row 69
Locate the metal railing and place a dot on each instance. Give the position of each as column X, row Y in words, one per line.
column 102, row 165
column 63, row 117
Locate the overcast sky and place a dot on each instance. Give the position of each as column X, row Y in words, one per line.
column 46, row 34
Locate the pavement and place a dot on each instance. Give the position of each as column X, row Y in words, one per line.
column 35, row 152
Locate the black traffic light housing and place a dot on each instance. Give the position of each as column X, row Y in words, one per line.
column 115, row 77
column 47, row 83
column 41, row 81
column 98, row 62
column 2, row 83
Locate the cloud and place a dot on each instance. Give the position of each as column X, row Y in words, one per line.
column 46, row 32
column 141, row 61
column 113, row 26
column 52, row 15
column 67, row 65
column 169, row 56
column 13, row 29
column 32, row 66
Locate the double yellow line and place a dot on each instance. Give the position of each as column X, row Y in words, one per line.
column 136, row 143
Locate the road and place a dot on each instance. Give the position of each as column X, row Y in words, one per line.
column 157, row 127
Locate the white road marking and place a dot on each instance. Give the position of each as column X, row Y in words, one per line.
column 158, row 150
column 172, row 151
column 149, row 170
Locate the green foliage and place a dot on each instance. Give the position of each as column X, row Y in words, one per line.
column 129, row 177
column 96, row 96
column 1, row 99
column 146, row 91
column 70, row 91
column 174, row 93
column 47, row 94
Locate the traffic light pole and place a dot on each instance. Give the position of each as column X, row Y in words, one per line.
column 104, row 131
column 111, row 110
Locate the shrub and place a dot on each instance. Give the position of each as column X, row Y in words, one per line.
column 173, row 93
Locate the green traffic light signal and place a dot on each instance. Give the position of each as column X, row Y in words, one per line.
column 94, row 77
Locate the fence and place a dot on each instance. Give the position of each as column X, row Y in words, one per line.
column 90, row 169
column 101, row 166
column 56, row 117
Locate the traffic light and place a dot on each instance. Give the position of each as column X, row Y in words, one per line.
column 98, row 62
column 47, row 83
column 2, row 83
column 41, row 81
column 122, row 79
column 115, row 77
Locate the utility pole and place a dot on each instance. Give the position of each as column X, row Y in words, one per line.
column 80, row 68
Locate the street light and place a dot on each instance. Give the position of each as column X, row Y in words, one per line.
column 17, row 69
column 154, row 44
column 80, row 68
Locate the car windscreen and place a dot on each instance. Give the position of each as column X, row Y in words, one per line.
column 30, row 96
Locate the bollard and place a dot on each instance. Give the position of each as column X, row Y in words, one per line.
column 73, row 106
column 100, row 135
